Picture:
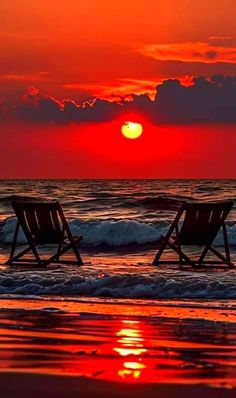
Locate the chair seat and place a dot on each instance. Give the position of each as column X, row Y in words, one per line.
column 201, row 223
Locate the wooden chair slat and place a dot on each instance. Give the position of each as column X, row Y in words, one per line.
column 43, row 223
column 36, row 220
column 56, row 221
column 201, row 223
column 47, row 232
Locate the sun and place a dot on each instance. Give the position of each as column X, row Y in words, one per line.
column 132, row 130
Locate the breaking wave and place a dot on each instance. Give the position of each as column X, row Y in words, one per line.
column 97, row 233
column 112, row 233
column 155, row 284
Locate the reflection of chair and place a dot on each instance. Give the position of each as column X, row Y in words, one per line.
column 202, row 221
column 43, row 223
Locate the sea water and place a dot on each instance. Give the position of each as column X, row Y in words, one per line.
column 121, row 222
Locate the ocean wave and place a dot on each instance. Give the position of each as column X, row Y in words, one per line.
column 157, row 284
column 97, row 233
column 160, row 202
column 208, row 188
column 112, row 233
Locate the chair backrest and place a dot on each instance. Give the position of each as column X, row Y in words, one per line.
column 202, row 221
column 40, row 221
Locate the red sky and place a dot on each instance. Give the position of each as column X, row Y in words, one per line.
column 79, row 50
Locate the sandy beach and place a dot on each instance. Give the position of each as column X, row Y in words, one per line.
column 167, row 348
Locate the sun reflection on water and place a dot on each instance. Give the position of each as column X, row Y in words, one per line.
column 130, row 344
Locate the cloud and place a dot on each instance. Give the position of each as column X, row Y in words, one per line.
column 220, row 38
column 205, row 101
column 119, row 88
column 216, row 50
column 39, row 76
column 198, row 100
column 225, row 41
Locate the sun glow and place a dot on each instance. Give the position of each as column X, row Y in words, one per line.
column 132, row 130
column 130, row 345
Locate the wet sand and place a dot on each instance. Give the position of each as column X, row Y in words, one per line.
column 110, row 349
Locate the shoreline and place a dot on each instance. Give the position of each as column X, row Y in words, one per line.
column 209, row 310
column 113, row 350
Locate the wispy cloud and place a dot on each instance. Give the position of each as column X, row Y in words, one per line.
column 205, row 52
column 220, row 37
column 118, row 88
column 25, row 77
column 123, row 88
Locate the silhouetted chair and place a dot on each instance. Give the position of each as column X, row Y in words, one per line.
column 43, row 223
column 201, row 223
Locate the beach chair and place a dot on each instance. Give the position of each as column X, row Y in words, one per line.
column 43, row 223
column 201, row 222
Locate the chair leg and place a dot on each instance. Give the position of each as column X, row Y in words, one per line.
column 181, row 254
column 226, row 259
column 165, row 239
column 222, row 258
column 203, row 255
column 36, row 255
column 57, row 255
column 13, row 248
column 177, row 249
column 226, row 244
column 177, row 242
column 15, row 258
column 63, row 250
column 160, row 251
column 11, row 260
column 77, row 254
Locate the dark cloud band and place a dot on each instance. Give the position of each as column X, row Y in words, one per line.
column 205, row 101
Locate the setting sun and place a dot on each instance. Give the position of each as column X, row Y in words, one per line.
column 132, row 130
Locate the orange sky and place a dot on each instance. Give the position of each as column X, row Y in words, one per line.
column 78, row 50
column 73, row 48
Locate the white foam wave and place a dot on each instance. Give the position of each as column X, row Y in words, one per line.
column 96, row 233
column 7, row 231
column 116, row 233
column 111, row 233
column 156, row 285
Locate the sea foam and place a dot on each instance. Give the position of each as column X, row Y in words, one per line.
column 153, row 284
column 96, row 233
column 110, row 233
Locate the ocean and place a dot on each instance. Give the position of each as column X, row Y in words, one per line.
column 117, row 319
column 121, row 222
